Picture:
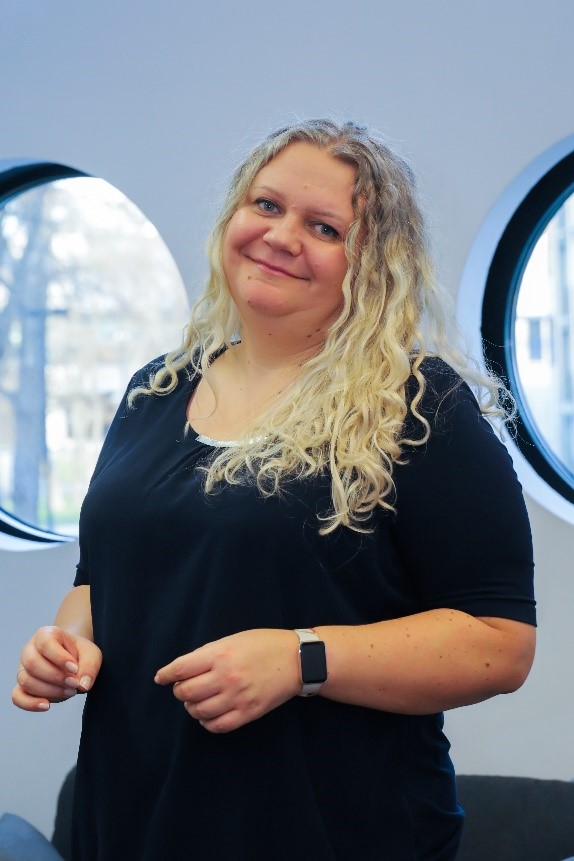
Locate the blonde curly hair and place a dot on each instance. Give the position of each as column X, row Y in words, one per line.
column 346, row 410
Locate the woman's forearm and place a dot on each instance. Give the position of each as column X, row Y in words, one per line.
column 75, row 613
column 427, row 662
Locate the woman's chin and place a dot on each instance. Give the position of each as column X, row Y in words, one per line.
column 268, row 303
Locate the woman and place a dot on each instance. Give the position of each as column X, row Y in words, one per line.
column 303, row 499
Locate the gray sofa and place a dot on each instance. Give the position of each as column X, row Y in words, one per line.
column 507, row 819
column 516, row 819
column 20, row 841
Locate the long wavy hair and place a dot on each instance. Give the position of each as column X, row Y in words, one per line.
column 346, row 410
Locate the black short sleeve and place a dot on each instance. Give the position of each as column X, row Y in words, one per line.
column 461, row 523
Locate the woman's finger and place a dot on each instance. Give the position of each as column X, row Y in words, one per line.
column 37, row 688
column 185, row 667
column 37, row 666
column 28, row 703
column 208, row 709
column 226, row 722
column 33, row 704
column 89, row 663
column 58, row 647
column 197, row 689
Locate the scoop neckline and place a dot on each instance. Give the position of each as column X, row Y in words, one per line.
column 200, row 437
column 215, row 443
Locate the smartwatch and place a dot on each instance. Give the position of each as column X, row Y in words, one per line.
column 313, row 661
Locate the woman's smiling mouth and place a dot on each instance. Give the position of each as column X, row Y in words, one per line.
column 274, row 270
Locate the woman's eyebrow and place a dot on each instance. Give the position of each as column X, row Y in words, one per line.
column 267, row 188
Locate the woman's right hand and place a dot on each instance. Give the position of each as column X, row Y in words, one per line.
column 55, row 664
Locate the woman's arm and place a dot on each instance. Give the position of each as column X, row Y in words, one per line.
column 436, row 660
column 75, row 613
column 61, row 659
column 419, row 664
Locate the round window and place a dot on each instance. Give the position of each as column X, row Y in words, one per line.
column 88, row 293
column 527, row 324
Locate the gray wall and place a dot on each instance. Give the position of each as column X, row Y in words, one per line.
column 161, row 100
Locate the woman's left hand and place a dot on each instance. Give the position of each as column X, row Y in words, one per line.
column 230, row 682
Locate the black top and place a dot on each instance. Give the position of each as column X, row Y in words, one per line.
column 171, row 569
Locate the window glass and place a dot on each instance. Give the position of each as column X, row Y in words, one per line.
column 88, row 293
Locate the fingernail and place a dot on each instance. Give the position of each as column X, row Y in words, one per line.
column 71, row 667
column 43, row 707
column 86, row 683
column 156, row 678
column 71, row 683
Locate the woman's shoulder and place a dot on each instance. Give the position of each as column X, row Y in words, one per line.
column 448, row 404
column 439, row 376
column 143, row 376
column 443, row 388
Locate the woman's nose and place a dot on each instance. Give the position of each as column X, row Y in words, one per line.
column 284, row 235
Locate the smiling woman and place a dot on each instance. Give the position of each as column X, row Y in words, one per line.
column 289, row 563
column 279, row 257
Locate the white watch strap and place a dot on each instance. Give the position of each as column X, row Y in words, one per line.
column 306, row 635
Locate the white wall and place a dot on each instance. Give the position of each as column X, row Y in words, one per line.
column 162, row 99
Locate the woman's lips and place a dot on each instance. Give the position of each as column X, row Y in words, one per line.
column 274, row 270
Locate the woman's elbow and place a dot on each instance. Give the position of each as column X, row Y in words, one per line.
column 516, row 653
column 519, row 672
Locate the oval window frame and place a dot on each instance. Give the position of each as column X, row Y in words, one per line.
column 16, row 177
column 486, row 305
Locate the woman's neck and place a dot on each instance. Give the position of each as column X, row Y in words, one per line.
column 255, row 358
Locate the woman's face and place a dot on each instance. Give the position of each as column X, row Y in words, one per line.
column 283, row 251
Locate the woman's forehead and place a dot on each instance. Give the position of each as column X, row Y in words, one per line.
column 304, row 167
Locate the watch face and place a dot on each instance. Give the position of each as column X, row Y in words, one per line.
column 313, row 663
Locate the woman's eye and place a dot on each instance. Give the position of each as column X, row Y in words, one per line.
column 327, row 231
column 266, row 205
